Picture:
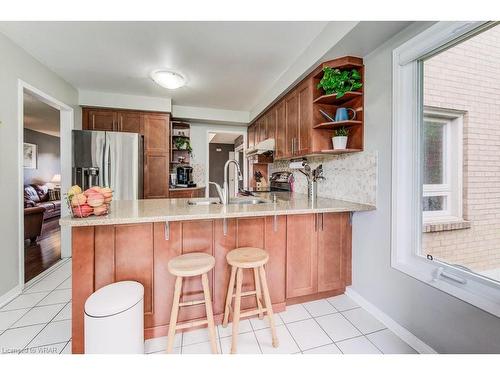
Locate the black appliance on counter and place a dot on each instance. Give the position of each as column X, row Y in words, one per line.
column 185, row 176
column 281, row 181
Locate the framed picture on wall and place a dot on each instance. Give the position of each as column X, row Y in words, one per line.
column 30, row 152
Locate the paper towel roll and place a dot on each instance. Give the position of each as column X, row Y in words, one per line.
column 297, row 164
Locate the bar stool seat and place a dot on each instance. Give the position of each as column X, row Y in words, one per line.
column 247, row 257
column 190, row 265
column 240, row 259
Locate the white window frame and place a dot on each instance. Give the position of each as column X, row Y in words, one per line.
column 406, row 219
column 452, row 185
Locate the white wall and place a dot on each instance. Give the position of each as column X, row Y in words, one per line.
column 114, row 100
column 443, row 322
column 17, row 64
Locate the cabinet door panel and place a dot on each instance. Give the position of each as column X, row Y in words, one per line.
column 251, row 135
column 292, row 118
column 156, row 132
column 275, row 245
column 223, row 243
column 134, row 259
column 156, row 176
column 164, row 281
column 130, row 122
column 305, row 94
column 99, row 120
column 263, row 127
column 301, row 262
column 331, row 232
column 271, row 123
column 197, row 236
column 281, row 137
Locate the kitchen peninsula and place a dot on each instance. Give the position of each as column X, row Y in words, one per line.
column 309, row 247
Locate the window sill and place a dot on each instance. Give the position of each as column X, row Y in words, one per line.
column 447, row 225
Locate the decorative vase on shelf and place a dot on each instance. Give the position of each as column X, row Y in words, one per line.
column 339, row 142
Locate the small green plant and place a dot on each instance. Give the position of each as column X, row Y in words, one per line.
column 183, row 144
column 336, row 81
column 341, row 132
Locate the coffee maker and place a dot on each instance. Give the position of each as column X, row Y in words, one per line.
column 185, row 176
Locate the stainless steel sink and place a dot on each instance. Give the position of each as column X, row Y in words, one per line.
column 249, row 201
column 207, row 202
column 204, row 202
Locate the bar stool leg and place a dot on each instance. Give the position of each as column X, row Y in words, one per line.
column 258, row 292
column 173, row 314
column 210, row 315
column 229, row 297
column 269, row 306
column 236, row 312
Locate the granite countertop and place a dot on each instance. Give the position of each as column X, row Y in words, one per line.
column 160, row 210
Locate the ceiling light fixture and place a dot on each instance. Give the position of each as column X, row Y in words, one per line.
column 168, row 79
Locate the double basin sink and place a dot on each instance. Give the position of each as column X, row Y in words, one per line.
column 245, row 201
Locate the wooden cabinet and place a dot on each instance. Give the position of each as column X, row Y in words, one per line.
column 156, row 155
column 304, row 97
column 317, row 262
column 308, row 255
column 251, row 135
column 302, row 255
column 99, row 119
column 292, row 123
column 156, row 130
column 263, row 232
column 130, row 122
column 298, row 124
column 280, row 130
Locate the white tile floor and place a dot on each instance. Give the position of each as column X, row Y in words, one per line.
column 39, row 321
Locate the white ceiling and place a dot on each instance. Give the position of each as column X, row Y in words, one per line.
column 228, row 65
column 225, row 138
column 40, row 117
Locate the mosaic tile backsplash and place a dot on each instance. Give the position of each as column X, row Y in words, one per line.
column 350, row 177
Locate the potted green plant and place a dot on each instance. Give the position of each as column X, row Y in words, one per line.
column 182, row 143
column 336, row 81
column 339, row 139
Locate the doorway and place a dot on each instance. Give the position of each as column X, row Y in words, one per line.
column 224, row 146
column 45, row 165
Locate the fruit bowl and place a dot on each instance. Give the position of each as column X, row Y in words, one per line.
column 93, row 201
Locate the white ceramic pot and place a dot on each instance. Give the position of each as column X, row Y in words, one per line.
column 339, row 143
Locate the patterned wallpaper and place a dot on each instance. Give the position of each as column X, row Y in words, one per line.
column 350, row 177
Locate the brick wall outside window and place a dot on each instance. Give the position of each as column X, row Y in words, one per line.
column 467, row 77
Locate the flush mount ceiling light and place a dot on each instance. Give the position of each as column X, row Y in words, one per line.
column 168, row 79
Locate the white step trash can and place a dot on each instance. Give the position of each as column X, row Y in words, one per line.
column 114, row 319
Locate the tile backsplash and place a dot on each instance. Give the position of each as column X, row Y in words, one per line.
column 350, row 177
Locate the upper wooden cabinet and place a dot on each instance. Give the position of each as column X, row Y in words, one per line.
column 251, row 135
column 99, row 119
column 299, row 127
column 156, row 132
column 130, row 122
column 154, row 126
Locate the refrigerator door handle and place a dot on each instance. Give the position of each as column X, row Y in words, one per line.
column 105, row 172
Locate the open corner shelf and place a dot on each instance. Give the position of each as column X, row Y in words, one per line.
column 338, row 124
column 332, row 98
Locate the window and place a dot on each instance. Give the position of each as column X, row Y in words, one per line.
column 442, row 145
column 431, row 182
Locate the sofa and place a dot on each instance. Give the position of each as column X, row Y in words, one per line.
column 33, row 220
column 37, row 195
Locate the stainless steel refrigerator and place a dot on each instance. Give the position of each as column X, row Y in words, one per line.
column 109, row 159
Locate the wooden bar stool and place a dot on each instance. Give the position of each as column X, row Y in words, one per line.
column 190, row 265
column 245, row 258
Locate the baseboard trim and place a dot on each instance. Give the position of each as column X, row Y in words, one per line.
column 10, row 295
column 405, row 335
